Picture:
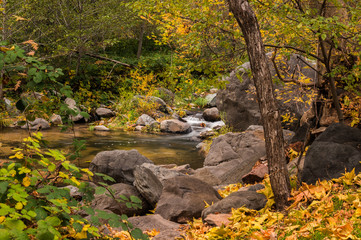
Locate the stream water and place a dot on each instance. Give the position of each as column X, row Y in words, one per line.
column 160, row 148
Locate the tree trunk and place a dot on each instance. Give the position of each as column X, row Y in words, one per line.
column 273, row 134
column 140, row 41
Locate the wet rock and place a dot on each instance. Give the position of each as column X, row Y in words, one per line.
column 104, row 112
column 101, row 128
column 211, row 114
column 118, row 164
column 337, row 149
column 183, row 198
column 37, row 124
column 104, row 202
column 248, row 199
column 175, row 126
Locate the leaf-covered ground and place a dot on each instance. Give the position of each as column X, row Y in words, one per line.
column 326, row 210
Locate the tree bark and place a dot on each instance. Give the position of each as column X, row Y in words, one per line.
column 140, row 41
column 273, row 134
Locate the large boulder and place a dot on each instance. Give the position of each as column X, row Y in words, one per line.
column 183, row 198
column 56, row 119
column 166, row 95
column 104, row 112
column 118, row 164
column 239, row 101
column 248, row 199
column 175, row 126
column 104, row 202
column 149, row 178
column 336, row 150
column 37, row 124
column 248, row 146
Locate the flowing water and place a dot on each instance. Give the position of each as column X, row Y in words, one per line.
column 160, row 148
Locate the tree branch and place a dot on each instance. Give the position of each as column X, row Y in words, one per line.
column 297, row 49
column 106, row 59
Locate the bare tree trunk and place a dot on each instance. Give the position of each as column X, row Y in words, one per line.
column 273, row 134
column 140, row 42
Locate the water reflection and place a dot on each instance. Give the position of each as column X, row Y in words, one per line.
column 160, row 148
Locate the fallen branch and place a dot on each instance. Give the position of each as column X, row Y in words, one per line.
column 106, row 59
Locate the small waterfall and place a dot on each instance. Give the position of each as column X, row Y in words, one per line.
column 199, row 125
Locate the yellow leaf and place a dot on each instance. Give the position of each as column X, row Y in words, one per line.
column 19, row 206
column 26, row 181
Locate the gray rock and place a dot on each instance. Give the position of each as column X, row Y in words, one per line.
column 148, row 185
column 104, row 112
column 224, row 173
column 146, row 120
column 118, row 164
column 211, row 100
column 37, row 124
column 101, row 128
column 248, row 199
column 247, row 146
column 166, row 95
column 168, row 235
column 175, row 126
column 154, row 221
column 337, row 149
column 162, row 173
column 211, row 114
column 238, row 99
column 183, row 198
column 72, row 105
column 104, row 202
column 56, row 119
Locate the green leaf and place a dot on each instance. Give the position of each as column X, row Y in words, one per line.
column 135, row 199
column 3, row 187
column 44, row 235
column 4, row 234
column 323, row 36
column 53, row 221
column 85, row 115
column 38, row 77
column 123, row 197
column 32, row 71
column 15, row 224
column 137, row 233
column 100, row 190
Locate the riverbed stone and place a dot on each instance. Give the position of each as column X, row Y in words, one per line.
column 104, row 202
column 211, row 114
column 101, row 128
column 166, row 95
column 183, row 198
column 104, row 112
column 37, row 124
column 118, row 164
column 248, row 199
column 175, row 126
column 158, row 103
column 336, row 150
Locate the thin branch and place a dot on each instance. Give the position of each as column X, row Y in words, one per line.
column 297, row 49
column 106, row 59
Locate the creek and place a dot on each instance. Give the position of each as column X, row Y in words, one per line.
column 160, row 148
